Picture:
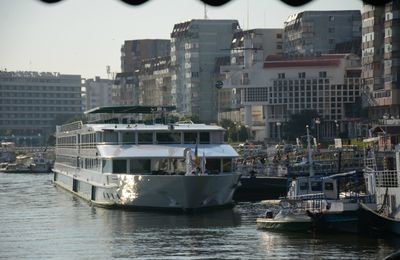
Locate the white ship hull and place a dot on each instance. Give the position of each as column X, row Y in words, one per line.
column 150, row 191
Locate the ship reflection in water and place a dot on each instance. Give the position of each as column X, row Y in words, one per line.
column 41, row 221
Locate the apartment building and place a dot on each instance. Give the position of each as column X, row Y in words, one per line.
column 195, row 48
column 381, row 59
column 98, row 93
column 248, row 48
column 155, row 82
column 125, row 89
column 313, row 32
column 134, row 51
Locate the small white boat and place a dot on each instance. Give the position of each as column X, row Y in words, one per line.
column 26, row 164
column 285, row 220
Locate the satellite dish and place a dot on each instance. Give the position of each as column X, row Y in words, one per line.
column 219, row 84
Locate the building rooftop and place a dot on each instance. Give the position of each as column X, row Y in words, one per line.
column 277, row 61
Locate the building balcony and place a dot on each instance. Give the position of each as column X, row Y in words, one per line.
column 245, row 81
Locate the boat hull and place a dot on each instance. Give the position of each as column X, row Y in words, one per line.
column 260, row 188
column 336, row 222
column 372, row 222
column 152, row 191
column 289, row 226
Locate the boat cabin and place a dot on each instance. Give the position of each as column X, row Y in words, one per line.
column 312, row 187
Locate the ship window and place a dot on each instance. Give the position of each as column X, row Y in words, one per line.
column 304, row 186
column 204, row 137
column 139, row 166
column 328, row 186
column 107, row 166
column 168, row 138
column 227, row 165
column 128, row 138
column 119, row 166
column 189, row 138
column 316, row 186
column 110, row 137
column 213, row 166
column 145, row 137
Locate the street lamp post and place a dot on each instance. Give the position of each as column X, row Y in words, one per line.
column 317, row 122
column 337, row 128
column 385, row 117
column 219, row 84
column 278, row 124
column 309, row 150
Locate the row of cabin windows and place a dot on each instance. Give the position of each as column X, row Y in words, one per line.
column 88, row 140
column 316, row 186
column 160, row 137
column 161, row 166
column 66, row 140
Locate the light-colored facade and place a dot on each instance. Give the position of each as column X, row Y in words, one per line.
column 195, row 46
column 247, row 48
column 313, row 32
column 134, row 51
column 31, row 103
column 98, row 93
column 155, row 82
column 381, row 59
column 329, row 84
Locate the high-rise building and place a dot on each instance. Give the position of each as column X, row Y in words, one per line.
column 134, row 51
column 381, row 59
column 313, row 32
column 195, row 48
column 32, row 103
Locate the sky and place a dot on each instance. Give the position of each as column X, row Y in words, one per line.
column 84, row 36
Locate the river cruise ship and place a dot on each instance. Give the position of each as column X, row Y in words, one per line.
column 181, row 166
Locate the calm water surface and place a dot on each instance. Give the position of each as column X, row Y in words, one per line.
column 41, row 221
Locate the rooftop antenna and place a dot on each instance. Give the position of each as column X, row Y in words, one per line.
column 205, row 11
column 108, row 69
column 248, row 24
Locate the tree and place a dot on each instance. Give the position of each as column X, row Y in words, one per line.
column 296, row 126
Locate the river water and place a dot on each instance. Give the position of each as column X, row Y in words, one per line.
column 41, row 221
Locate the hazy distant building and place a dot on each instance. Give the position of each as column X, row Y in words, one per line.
column 381, row 59
column 195, row 46
column 31, row 103
column 125, row 89
column 155, row 82
column 134, row 51
column 98, row 93
column 312, row 32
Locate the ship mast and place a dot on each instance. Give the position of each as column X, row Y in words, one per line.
column 309, row 150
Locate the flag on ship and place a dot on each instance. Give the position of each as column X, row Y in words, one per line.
column 196, row 155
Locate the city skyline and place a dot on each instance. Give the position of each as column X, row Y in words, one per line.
column 43, row 37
